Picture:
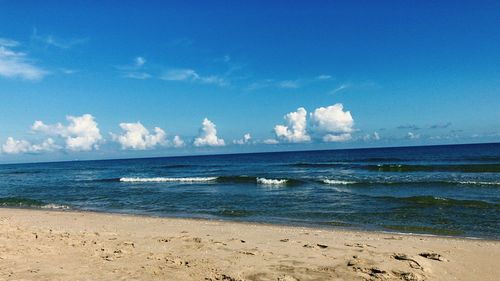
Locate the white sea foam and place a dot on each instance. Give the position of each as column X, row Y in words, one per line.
column 55, row 206
column 272, row 181
column 338, row 182
column 479, row 182
column 161, row 179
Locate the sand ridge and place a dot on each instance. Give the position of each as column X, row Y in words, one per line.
column 62, row 245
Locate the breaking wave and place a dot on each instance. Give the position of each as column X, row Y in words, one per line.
column 265, row 181
column 162, row 179
column 19, row 202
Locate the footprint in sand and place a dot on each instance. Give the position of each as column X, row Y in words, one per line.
column 321, row 246
column 403, row 257
column 433, row 256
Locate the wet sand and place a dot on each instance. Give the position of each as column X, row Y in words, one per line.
column 63, row 245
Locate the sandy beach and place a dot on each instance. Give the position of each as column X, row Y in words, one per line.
column 63, row 245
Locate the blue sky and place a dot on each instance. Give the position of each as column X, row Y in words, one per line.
column 99, row 77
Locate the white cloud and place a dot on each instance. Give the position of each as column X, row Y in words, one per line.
column 138, row 75
column 324, row 77
column 140, row 61
column 331, row 124
column 135, row 70
column 137, row 137
column 8, row 42
column 412, row 136
column 334, row 122
column 340, row 88
column 180, row 75
column 53, row 41
column 81, row 134
column 208, row 135
column 13, row 146
column 336, row 138
column 14, row 64
column 289, row 84
column 270, row 141
column 295, row 128
column 246, row 139
column 190, row 75
column 178, row 142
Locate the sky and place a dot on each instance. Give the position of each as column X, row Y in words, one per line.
column 120, row 79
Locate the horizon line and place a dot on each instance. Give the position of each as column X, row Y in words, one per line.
column 250, row 153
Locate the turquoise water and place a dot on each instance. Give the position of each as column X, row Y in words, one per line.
column 447, row 190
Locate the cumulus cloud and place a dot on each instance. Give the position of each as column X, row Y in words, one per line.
column 208, row 135
column 178, row 142
column 334, row 122
column 14, row 64
column 246, row 139
column 137, row 137
column 295, row 128
column 190, row 75
column 13, row 146
column 81, row 134
column 331, row 124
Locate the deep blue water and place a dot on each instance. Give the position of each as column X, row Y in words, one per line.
column 447, row 190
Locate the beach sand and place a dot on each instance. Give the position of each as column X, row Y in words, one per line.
column 63, row 245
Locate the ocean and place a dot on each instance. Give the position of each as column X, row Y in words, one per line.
column 443, row 190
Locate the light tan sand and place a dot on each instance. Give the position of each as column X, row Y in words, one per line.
column 50, row 245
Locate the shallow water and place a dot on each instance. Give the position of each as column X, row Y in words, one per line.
column 448, row 190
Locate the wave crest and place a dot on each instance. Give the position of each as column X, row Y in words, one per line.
column 162, row 179
column 338, row 182
column 265, row 181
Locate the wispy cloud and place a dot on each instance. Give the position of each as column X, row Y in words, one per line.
column 53, row 41
column 136, row 70
column 8, row 42
column 340, row 88
column 68, row 71
column 137, row 75
column 324, row 77
column 15, row 64
column 289, row 84
column 190, row 75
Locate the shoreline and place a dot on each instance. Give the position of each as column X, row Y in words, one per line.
column 359, row 229
column 46, row 244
